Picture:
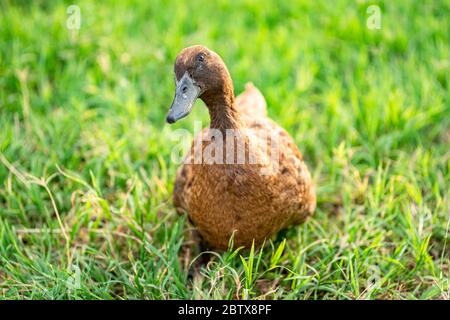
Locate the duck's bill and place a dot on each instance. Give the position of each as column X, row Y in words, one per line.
column 185, row 95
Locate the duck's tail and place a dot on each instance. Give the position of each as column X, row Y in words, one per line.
column 251, row 102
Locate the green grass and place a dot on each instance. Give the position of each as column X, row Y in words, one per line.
column 85, row 170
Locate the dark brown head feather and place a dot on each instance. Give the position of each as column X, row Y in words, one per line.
column 209, row 72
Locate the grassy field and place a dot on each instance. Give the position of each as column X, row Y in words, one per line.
column 85, row 170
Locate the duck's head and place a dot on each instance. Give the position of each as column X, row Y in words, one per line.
column 199, row 73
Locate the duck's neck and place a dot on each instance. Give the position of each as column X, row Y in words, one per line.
column 222, row 111
column 224, row 116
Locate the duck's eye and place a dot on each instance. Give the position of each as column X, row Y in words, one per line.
column 200, row 57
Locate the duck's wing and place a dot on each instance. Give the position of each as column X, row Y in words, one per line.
column 251, row 102
column 291, row 181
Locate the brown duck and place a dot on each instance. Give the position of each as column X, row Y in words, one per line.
column 235, row 199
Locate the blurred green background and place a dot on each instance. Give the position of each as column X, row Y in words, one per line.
column 85, row 170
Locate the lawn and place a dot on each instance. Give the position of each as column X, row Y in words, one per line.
column 86, row 175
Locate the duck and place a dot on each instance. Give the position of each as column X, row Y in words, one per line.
column 230, row 202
